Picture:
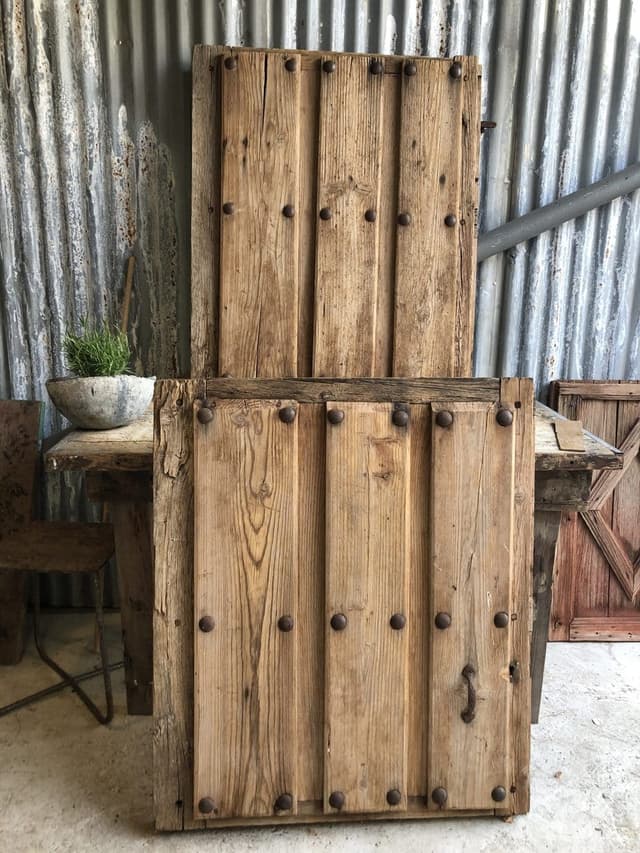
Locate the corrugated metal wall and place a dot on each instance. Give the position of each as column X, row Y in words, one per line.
column 95, row 164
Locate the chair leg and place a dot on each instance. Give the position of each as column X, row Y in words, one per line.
column 69, row 679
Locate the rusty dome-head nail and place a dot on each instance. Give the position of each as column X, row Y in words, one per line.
column 335, row 416
column 229, row 208
column 285, row 624
column 336, row 799
column 289, row 211
column 328, row 66
column 291, row 64
column 394, row 797
column 410, row 69
column 501, row 619
column 205, row 415
column 450, row 220
column 370, row 215
column 400, row 417
column 206, row 805
column 376, row 67
column 325, row 213
column 444, row 418
column 456, row 70
column 287, row 414
column 284, row 803
column 443, row 620
column 439, row 796
column 504, row 417
column 499, row 794
column 206, row 624
column 230, row 63
column 398, row 621
column 338, row 621
column 404, row 218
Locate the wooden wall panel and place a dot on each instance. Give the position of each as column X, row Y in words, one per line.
column 472, row 484
column 260, row 127
column 597, row 579
column 342, row 296
column 246, row 550
column 367, row 491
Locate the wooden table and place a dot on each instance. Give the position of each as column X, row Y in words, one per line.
column 118, row 466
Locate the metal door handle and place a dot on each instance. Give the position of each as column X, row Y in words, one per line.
column 470, row 711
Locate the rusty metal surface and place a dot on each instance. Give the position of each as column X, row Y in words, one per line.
column 95, row 164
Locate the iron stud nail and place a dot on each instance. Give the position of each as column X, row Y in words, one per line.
column 338, row 621
column 325, row 213
column 444, row 418
column 404, row 219
column 328, row 66
column 487, row 125
column 206, row 624
column 230, row 63
column 398, row 621
column 456, row 70
column 443, row 620
column 498, row 794
column 504, row 417
column 206, row 805
column 285, row 624
column 370, row 215
column 376, row 67
column 439, row 796
column 335, row 416
column 410, row 69
column 336, row 799
column 393, row 797
column 205, row 415
column 400, row 417
column 284, row 803
column 229, row 208
column 288, row 210
column 450, row 220
column 291, row 64
column 501, row 619
column 287, row 414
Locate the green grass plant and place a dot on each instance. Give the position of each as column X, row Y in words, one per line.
column 97, row 352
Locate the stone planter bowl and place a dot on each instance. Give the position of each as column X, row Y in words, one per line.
column 102, row 402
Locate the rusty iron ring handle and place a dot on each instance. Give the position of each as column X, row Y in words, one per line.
column 469, row 712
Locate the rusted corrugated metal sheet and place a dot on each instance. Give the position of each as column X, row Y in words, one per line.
column 95, row 164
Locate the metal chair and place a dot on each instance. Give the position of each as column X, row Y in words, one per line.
column 46, row 546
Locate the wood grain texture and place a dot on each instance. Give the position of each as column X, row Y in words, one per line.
column 132, row 525
column 601, row 629
column 245, row 552
column 20, row 436
column 629, row 444
column 472, row 483
column 546, row 528
column 598, row 453
column 311, row 597
column 605, row 389
column 367, row 491
column 127, row 448
column 349, row 160
column 569, row 435
column 428, row 274
column 612, row 549
column 205, row 209
column 258, row 243
column 173, row 611
column 517, row 395
column 626, row 508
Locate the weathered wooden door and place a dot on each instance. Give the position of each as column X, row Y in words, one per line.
column 333, row 214
column 362, row 599
column 596, row 593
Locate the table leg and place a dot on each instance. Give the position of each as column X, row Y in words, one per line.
column 546, row 528
column 132, row 525
column 13, row 602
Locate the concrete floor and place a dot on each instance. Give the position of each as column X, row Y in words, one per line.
column 68, row 784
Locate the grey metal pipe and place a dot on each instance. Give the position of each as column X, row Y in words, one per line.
column 554, row 214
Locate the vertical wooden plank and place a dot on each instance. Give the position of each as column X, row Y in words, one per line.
column 428, row 273
column 311, row 596
column 388, row 215
column 307, row 221
column 562, row 595
column 132, row 523
column 349, row 157
column 468, row 231
column 259, row 243
column 205, row 210
column 626, row 512
column 517, row 395
column 366, row 663
column 547, row 525
column 471, row 541
column 173, row 611
column 418, row 620
column 245, row 547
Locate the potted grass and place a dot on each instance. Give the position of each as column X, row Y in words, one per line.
column 103, row 394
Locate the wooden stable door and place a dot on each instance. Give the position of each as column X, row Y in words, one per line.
column 361, row 605
column 333, row 214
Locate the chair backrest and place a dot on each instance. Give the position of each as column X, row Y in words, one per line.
column 333, row 214
column 20, row 422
